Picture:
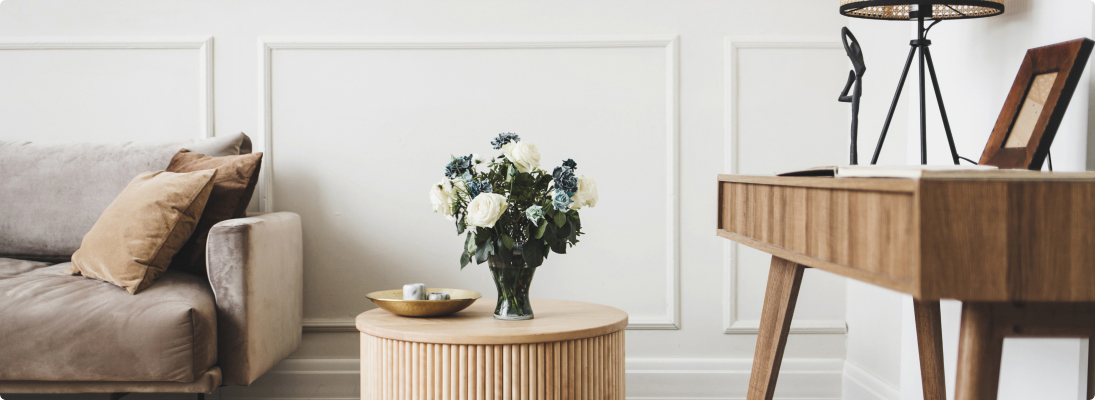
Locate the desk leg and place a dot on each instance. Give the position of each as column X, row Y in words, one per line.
column 784, row 279
column 979, row 350
column 929, row 338
column 1090, row 367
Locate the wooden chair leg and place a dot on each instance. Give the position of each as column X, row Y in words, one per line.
column 929, row 339
column 979, row 350
column 1091, row 368
column 784, row 279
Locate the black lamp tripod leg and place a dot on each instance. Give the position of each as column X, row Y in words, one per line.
column 942, row 109
column 893, row 106
column 923, row 106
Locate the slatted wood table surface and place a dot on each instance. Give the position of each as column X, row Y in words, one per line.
column 571, row 350
column 1017, row 248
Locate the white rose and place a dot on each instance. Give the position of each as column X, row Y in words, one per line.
column 586, row 194
column 523, row 155
column 441, row 197
column 484, row 210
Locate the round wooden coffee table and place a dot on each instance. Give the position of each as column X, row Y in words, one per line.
column 571, row 350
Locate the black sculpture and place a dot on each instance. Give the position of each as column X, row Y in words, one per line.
column 855, row 53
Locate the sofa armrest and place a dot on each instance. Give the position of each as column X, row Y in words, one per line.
column 256, row 268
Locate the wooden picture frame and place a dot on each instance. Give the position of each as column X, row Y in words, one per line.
column 1036, row 105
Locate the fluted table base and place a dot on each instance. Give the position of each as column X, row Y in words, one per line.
column 589, row 368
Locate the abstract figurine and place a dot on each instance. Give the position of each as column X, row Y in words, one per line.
column 855, row 53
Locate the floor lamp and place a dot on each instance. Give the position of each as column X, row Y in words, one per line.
column 906, row 10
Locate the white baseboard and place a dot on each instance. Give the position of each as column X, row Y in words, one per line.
column 862, row 385
column 647, row 379
column 728, row 378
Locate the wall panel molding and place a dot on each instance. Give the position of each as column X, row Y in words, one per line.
column 731, row 323
column 670, row 45
column 203, row 44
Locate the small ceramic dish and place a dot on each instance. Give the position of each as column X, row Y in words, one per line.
column 392, row 301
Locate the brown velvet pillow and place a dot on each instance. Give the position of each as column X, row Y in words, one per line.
column 232, row 191
column 134, row 239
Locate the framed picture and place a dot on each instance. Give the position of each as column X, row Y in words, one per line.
column 1036, row 105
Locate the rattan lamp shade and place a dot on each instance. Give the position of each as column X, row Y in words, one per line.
column 900, row 10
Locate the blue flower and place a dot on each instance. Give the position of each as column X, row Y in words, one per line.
column 459, row 166
column 474, row 188
column 565, row 179
column 535, row 214
column 561, row 200
column 569, row 163
column 504, row 138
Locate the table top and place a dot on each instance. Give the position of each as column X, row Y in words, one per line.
column 1004, row 236
column 556, row 320
column 910, row 184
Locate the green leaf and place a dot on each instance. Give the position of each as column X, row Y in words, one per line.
column 460, row 226
column 560, row 219
column 533, row 253
column 481, row 236
column 484, row 251
column 465, row 258
column 564, row 232
column 559, row 246
column 508, row 241
column 540, row 230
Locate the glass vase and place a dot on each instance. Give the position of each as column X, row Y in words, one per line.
column 513, row 283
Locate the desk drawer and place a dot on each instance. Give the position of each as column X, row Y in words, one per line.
column 866, row 235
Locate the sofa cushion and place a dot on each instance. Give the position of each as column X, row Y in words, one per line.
column 133, row 241
column 69, row 328
column 232, row 190
column 51, row 194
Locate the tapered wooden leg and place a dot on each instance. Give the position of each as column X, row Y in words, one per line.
column 784, row 279
column 929, row 338
column 1090, row 368
column 979, row 350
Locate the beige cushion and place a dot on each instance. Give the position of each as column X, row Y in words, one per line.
column 232, row 190
column 133, row 241
column 58, row 327
column 52, row 193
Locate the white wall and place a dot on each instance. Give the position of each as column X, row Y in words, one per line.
column 358, row 105
column 976, row 61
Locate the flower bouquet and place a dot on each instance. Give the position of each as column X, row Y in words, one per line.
column 513, row 214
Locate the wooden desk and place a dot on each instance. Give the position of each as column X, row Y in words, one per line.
column 1017, row 248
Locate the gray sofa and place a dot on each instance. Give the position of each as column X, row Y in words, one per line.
column 185, row 333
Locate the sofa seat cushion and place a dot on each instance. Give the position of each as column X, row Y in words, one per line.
column 57, row 327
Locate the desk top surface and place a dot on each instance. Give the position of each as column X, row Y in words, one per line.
column 556, row 320
column 908, row 184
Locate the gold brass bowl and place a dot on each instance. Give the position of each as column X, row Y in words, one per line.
column 392, row 301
